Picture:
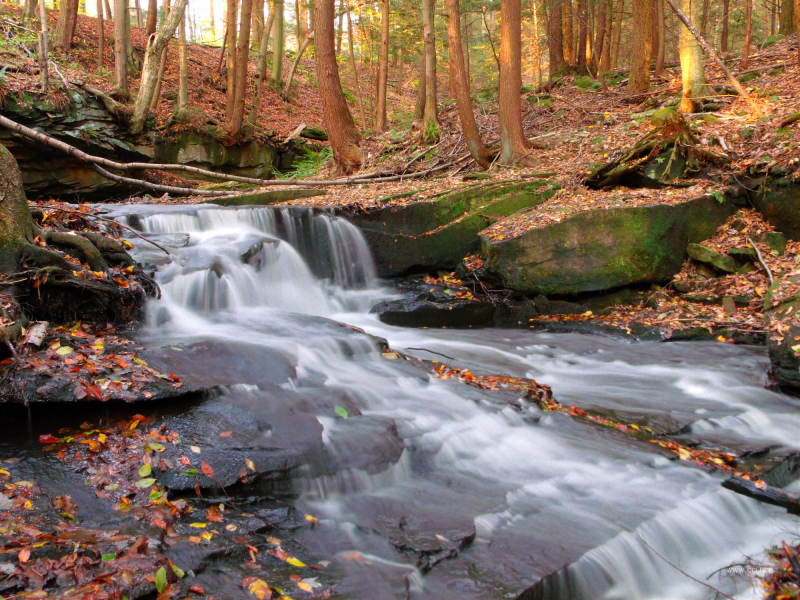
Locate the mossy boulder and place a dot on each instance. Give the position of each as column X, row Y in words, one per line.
column 707, row 256
column 604, row 249
column 779, row 203
column 430, row 235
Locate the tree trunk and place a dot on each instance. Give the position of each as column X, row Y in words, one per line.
column 29, row 10
column 182, row 109
column 554, row 38
column 514, row 147
column 65, row 28
column 787, row 17
column 691, row 53
column 566, row 14
column 600, row 36
column 459, row 77
column 642, row 49
column 704, row 24
column 302, row 20
column 231, row 28
column 583, row 33
column 605, row 58
column 342, row 131
column 261, row 69
column 419, row 107
column 16, row 224
column 617, row 38
column 101, row 39
column 44, row 54
column 662, row 34
column 213, row 21
column 138, row 10
column 257, row 24
column 240, row 81
column 156, row 45
column 109, row 13
column 430, row 116
column 350, row 43
column 340, row 30
column 797, row 24
column 162, row 65
column 723, row 42
column 152, row 17
column 277, row 47
column 748, row 34
column 120, row 50
column 383, row 70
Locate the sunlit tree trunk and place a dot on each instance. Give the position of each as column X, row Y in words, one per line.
column 182, row 108
column 213, row 21
column 748, row 34
column 342, row 132
column 240, row 81
column 156, row 45
column 566, row 34
column 339, row 29
column 459, row 77
column 278, row 33
column 430, row 116
column 101, row 40
column 152, row 17
column 350, row 44
column 419, row 106
column 642, row 48
column 723, row 42
column 257, row 24
column 787, row 17
column 302, row 20
column 120, row 49
column 514, row 147
column 583, row 33
column 691, row 53
column 554, row 37
column 261, row 68
column 383, row 70
column 162, row 65
column 230, row 91
column 662, row 35
column 109, row 12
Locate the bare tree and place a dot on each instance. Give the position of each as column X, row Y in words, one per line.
column 662, row 34
column 101, row 39
column 278, row 45
column 723, row 42
column 691, row 53
column 240, row 81
column 182, row 107
column 583, row 33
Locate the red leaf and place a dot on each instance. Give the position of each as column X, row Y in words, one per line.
column 48, row 439
column 174, row 378
column 197, row 589
column 93, row 391
column 207, row 470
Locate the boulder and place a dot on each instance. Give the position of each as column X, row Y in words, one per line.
column 784, row 347
column 437, row 234
column 424, row 313
column 604, row 249
column 780, row 205
column 707, row 256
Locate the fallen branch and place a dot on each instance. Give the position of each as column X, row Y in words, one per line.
column 764, row 493
column 793, row 118
column 763, row 264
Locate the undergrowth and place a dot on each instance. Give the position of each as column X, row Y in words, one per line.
column 311, row 164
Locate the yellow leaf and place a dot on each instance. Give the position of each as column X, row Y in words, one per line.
column 102, row 438
column 304, row 586
column 208, row 535
column 295, row 562
column 250, row 464
column 28, row 505
column 683, row 454
column 259, row 589
column 196, row 450
column 64, row 351
column 198, row 525
column 134, row 425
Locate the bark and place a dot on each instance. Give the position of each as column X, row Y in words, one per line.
column 344, row 137
column 240, row 81
column 109, row 12
column 277, row 47
column 639, row 80
column 514, row 147
column 340, row 31
column 350, row 42
column 182, row 109
column 605, row 58
column 797, row 24
column 723, row 42
column 65, row 28
column 704, row 24
column 662, row 34
column 162, row 65
column 748, row 34
column 566, row 14
column 213, row 21
column 583, row 33
column 120, row 50
column 617, row 37
column 16, row 224
column 230, row 90
column 554, row 39
column 156, row 45
column 302, row 20
column 138, row 9
column 600, row 36
column 152, row 17
column 29, row 10
column 383, row 70
column 459, row 77
column 430, row 116
column 695, row 86
column 309, row 39
column 101, row 39
column 261, row 70
column 44, row 54
column 419, row 107
column 537, row 48
column 257, row 24
column 787, row 25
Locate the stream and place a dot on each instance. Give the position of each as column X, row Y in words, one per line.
column 433, row 489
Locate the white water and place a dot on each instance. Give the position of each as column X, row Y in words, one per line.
column 540, row 490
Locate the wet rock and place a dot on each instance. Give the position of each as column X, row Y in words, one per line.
column 424, row 313
column 780, row 205
column 705, row 255
column 729, row 305
column 604, row 249
column 558, row 307
column 430, row 235
column 784, row 359
column 743, row 255
column 776, row 241
column 701, row 298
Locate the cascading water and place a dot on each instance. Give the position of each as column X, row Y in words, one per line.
column 484, row 498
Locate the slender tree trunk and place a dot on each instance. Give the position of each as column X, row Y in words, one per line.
column 383, row 70
column 44, row 53
column 138, row 10
column 342, row 131
column 65, row 27
column 430, row 117
column 691, row 53
column 723, row 43
column 797, row 24
column 101, row 39
column 459, row 76
column 642, row 49
column 156, row 45
column 257, row 24
column 277, row 47
column 600, row 35
column 240, row 81
column 787, row 17
column 302, row 20
column 350, row 43
column 554, row 38
column 772, row 11
column 109, row 13
column 583, row 33
column 566, row 14
column 213, row 21
column 605, row 57
column 162, row 66
column 537, row 47
column 120, row 49
column 662, row 35
column 339, row 29
column 182, row 109
column 617, row 38
column 419, row 107
column 514, row 147
column 261, row 69
column 231, row 26
column 29, row 10
column 748, row 34
column 704, row 24
column 152, row 17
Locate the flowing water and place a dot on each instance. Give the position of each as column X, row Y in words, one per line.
column 488, row 494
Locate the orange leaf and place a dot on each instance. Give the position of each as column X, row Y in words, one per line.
column 207, row 470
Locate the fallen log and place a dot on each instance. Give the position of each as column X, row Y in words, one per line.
column 764, row 493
